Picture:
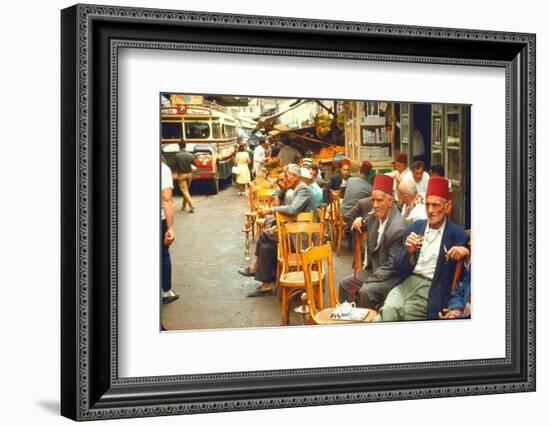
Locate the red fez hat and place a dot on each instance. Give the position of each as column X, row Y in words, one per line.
column 438, row 186
column 365, row 167
column 383, row 183
column 401, row 157
column 345, row 162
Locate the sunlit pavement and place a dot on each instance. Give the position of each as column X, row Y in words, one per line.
column 208, row 249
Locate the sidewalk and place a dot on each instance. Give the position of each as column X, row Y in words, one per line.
column 208, row 250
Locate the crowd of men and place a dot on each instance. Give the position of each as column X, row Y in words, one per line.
column 412, row 246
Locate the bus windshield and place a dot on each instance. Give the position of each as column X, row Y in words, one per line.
column 172, row 131
column 197, row 130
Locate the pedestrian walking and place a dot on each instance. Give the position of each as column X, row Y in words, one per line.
column 243, row 172
column 185, row 164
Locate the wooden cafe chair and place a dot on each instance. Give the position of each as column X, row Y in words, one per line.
column 336, row 221
column 298, row 236
column 281, row 220
column 263, row 198
column 321, row 215
column 313, row 260
column 250, row 213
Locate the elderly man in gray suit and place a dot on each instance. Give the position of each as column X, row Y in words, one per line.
column 265, row 267
column 303, row 200
column 385, row 229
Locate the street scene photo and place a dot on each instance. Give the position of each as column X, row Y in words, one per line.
column 281, row 212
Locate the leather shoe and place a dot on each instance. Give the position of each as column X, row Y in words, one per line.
column 259, row 293
column 246, row 272
column 170, row 297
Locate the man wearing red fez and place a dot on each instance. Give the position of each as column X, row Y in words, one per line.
column 384, row 227
column 338, row 181
column 427, row 261
column 402, row 167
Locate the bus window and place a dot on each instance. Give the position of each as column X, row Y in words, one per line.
column 171, row 130
column 228, row 131
column 197, row 130
column 216, row 131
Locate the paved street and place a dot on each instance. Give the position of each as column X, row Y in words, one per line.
column 208, row 250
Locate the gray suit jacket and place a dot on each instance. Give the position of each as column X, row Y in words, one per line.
column 303, row 202
column 357, row 189
column 360, row 209
column 380, row 257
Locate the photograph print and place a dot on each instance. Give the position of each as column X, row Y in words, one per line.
column 278, row 212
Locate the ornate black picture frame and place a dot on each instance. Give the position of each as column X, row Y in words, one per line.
column 91, row 37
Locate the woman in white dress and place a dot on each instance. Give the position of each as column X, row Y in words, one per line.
column 243, row 172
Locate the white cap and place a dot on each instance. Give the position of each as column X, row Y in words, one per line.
column 293, row 169
column 305, row 173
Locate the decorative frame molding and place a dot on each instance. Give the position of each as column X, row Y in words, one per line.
column 91, row 37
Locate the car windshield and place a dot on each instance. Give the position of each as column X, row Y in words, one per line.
column 197, row 130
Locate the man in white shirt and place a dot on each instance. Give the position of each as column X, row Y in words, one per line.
column 167, row 233
column 385, row 227
column 401, row 171
column 259, row 156
column 425, row 262
column 420, row 177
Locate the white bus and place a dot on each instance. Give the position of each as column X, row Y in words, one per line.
column 211, row 135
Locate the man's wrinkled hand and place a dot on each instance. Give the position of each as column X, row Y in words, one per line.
column 413, row 242
column 458, row 253
column 357, row 224
column 450, row 313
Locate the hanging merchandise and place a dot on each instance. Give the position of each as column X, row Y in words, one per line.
column 323, row 124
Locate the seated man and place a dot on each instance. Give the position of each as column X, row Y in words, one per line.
column 315, row 190
column 338, row 181
column 412, row 204
column 420, row 177
column 265, row 267
column 384, row 239
column 314, row 185
column 358, row 188
column 281, row 194
column 424, row 261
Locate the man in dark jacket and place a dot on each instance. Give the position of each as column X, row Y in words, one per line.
column 384, row 239
column 424, row 261
column 338, row 182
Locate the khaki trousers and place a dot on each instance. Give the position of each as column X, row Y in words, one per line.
column 184, row 181
column 406, row 301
